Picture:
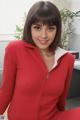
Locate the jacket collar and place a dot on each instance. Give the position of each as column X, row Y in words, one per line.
column 59, row 52
column 28, row 45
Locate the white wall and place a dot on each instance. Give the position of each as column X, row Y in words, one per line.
column 63, row 3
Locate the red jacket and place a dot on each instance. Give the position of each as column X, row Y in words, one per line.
column 32, row 91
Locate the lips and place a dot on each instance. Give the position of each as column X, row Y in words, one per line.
column 43, row 42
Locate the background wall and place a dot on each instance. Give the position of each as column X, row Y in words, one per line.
column 62, row 3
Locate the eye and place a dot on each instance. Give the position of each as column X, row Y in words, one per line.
column 51, row 28
column 36, row 27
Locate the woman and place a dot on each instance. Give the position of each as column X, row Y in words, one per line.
column 37, row 71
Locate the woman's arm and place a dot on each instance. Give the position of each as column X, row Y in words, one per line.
column 8, row 77
column 62, row 99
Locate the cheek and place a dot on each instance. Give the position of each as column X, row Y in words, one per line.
column 34, row 34
column 34, row 37
column 52, row 36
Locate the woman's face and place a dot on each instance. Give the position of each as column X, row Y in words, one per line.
column 43, row 35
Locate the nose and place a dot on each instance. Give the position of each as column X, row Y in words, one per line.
column 44, row 34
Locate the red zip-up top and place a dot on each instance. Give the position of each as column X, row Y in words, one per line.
column 31, row 91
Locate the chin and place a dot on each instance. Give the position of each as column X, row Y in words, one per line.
column 43, row 47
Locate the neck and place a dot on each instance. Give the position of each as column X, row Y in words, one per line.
column 46, row 52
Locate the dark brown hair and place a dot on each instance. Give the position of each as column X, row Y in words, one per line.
column 47, row 13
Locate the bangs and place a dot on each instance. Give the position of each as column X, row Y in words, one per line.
column 45, row 18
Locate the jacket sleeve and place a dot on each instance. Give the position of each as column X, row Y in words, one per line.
column 62, row 98
column 8, row 78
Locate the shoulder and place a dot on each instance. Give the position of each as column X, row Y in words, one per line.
column 19, row 44
column 69, row 59
column 13, row 47
column 70, row 56
column 15, row 43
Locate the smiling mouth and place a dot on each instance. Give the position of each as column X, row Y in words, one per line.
column 43, row 42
